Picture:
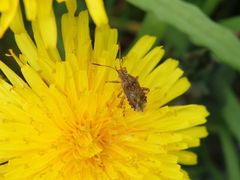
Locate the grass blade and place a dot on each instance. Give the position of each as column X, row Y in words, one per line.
column 230, row 154
column 231, row 112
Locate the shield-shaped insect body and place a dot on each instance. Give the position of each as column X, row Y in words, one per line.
column 135, row 94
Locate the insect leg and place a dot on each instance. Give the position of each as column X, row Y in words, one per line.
column 119, row 94
column 122, row 105
column 121, row 102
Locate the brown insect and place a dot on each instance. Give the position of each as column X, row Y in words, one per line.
column 136, row 95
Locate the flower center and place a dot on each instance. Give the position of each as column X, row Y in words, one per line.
column 82, row 143
column 89, row 137
column 85, row 147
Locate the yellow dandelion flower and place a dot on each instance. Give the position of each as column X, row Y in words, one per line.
column 62, row 119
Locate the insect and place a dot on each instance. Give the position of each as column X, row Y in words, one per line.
column 135, row 94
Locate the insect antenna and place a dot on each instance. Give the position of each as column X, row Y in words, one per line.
column 120, row 56
column 96, row 64
column 119, row 51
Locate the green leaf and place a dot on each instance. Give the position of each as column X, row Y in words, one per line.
column 230, row 154
column 190, row 20
column 232, row 23
column 231, row 112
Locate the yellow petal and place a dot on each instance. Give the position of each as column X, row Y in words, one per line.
column 139, row 50
column 164, row 138
column 51, row 55
column 4, row 5
column 142, row 46
column 196, row 132
column 30, row 9
column 72, row 6
column 186, row 157
column 145, row 65
column 47, row 23
column 84, row 45
column 60, row 75
column 8, row 12
column 97, row 12
column 159, row 77
column 28, row 48
column 69, row 31
column 11, row 75
column 34, row 80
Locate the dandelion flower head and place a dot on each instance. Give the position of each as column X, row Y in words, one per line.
column 62, row 120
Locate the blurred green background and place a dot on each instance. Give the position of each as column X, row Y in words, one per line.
column 204, row 36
